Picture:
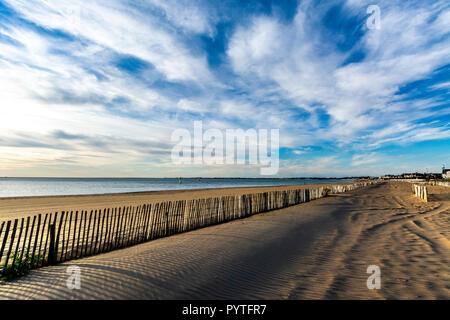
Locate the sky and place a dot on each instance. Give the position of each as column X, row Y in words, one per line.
column 96, row 88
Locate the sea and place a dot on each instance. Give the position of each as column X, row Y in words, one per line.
column 24, row 187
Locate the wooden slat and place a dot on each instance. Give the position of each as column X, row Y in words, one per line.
column 149, row 222
column 197, row 216
column 47, row 239
column 43, row 228
column 137, row 232
column 63, row 242
column 72, row 252
column 154, row 221
column 30, row 239
column 173, row 223
column 143, row 224
column 108, row 227
column 38, row 228
column 103, row 231
column 92, row 232
column 181, row 212
column 146, row 223
column 135, row 229
column 98, row 231
column 170, row 214
column 24, row 239
column 58, row 234
column 98, row 240
column 130, row 225
column 129, row 233
column 180, row 216
column 176, row 214
column 165, row 217
column 2, row 225
column 162, row 217
column 88, row 223
column 11, row 242
column 52, row 254
column 137, row 224
column 80, row 227
column 67, row 250
column 109, row 245
column 111, row 237
column 120, row 218
column 14, row 257
column 186, row 214
column 123, row 226
column 161, row 214
column 5, row 239
column 157, row 224
column 118, row 229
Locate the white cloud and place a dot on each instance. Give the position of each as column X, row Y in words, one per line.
column 302, row 151
column 364, row 159
column 123, row 29
column 278, row 74
column 443, row 85
column 359, row 97
column 186, row 14
column 190, row 105
column 256, row 44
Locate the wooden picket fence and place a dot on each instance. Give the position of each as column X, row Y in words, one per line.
column 48, row 239
column 421, row 192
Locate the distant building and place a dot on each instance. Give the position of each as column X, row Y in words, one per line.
column 415, row 175
column 445, row 173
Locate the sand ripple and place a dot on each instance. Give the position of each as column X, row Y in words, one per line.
column 316, row 250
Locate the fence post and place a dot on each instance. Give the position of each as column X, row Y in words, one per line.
column 166, row 222
column 51, row 249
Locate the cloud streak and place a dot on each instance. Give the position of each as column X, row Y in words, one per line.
column 104, row 84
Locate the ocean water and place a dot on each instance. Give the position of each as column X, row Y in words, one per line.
column 20, row 187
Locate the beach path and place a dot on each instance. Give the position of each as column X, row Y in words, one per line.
column 315, row 250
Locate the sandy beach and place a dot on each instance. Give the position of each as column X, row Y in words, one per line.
column 316, row 250
column 13, row 208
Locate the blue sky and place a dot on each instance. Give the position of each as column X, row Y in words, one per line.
column 95, row 88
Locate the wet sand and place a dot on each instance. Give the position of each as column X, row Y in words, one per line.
column 316, row 250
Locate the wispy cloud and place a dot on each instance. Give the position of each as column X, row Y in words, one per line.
column 85, row 81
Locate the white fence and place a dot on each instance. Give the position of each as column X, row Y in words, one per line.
column 421, row 192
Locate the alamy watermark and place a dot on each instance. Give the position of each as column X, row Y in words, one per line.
column 231, row 146
column 74, row 280
column 374, row 20
column 374, row 280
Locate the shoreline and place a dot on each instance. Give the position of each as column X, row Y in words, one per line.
column 150, row 192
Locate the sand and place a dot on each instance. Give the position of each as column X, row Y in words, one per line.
column 316, row 250
column 13, row 208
